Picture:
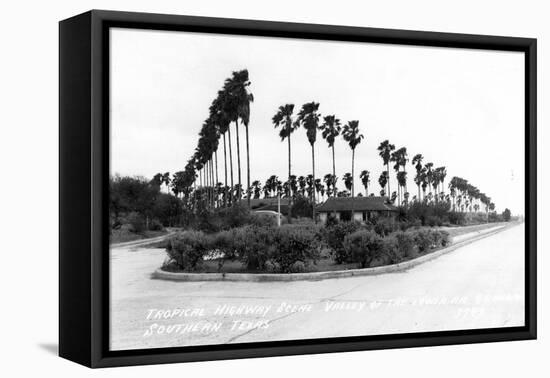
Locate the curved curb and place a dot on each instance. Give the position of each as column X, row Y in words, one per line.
column 316, row 276
column 141, row 242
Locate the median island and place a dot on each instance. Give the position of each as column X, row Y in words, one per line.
column 237, row 240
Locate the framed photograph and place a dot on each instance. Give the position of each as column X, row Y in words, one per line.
column 236, row 188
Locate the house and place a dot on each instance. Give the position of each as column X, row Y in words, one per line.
column 364, row 208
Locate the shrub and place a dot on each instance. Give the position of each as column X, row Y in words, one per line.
column 223, row 242
column 440, row 238
column 390, row 250
column 253, row 245
column 294, row 247
column 405, row 243
column 432, row 221
column 264, row 220
column 155, row 225
column 385, row 226
column 334, row 237
column 363, row 247
column 423, row 240
column 136, row 221
column 457, row 218
column 188, row 248
column 445, row 238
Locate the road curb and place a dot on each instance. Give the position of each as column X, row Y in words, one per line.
column 140, row 242
column 316, row 276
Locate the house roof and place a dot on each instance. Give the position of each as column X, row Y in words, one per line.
column 356, row 204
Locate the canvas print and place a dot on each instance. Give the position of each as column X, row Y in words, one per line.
column 270, row 189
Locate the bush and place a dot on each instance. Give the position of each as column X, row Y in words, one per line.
column 155, row 225
column 136, row 221
column 294, row 247
column 334, row 237
column 253, row 245
column 423, row 240
column 363, row 247
column 224, row 243
column 385, row 226
column 428, row 239
column 457, row 218
column 405, row 243
column 188, row 248
column 440, row 238
column 264, row 220
column 391, row 251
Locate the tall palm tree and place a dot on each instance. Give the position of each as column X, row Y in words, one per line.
column 283, row 118
column 383, row 181
column 384, row 151
column 308, row 117
column 237, row 105
column 417, row 162
column 348, row 181
column 399, row 157
column 365, row 179
column 330, row 130
column 353, row 137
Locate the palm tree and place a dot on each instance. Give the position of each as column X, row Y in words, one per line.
column 283, row 118
column 330, row 130
column 399, row 157
column 383, row 181
column 222, row 120
column 302, row 184
column 384, row 151
column 365, row 179
column 348, row 181
column 257, row 189
column 308, row 117
column 429, row 174
column 417, row 162
column 353, row 137
column 237, row 105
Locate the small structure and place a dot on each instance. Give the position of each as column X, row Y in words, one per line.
column 269, row 204
column 364, row 208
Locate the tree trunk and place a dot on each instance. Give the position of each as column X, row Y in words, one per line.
column 230, row 166
column 216, row 183
column 388, row 170
column 225, row 167
column 333, row 170
column 238, row 159
column 290, row 202
column 247, row 167
column 352, row 184
column 313, row 165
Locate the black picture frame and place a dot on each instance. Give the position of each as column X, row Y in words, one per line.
column 84, row 172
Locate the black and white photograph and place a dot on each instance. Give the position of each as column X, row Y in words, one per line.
column 271, row 189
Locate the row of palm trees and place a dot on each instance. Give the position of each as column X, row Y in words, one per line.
column 309, row 118
column 230, row 107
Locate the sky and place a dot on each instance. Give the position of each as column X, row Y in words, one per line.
column 460, row 108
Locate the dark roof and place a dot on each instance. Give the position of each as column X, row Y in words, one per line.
column 356, row 204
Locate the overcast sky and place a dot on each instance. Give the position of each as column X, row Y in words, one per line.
column 462, row 109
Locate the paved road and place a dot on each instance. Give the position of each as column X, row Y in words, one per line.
column 476, row 286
